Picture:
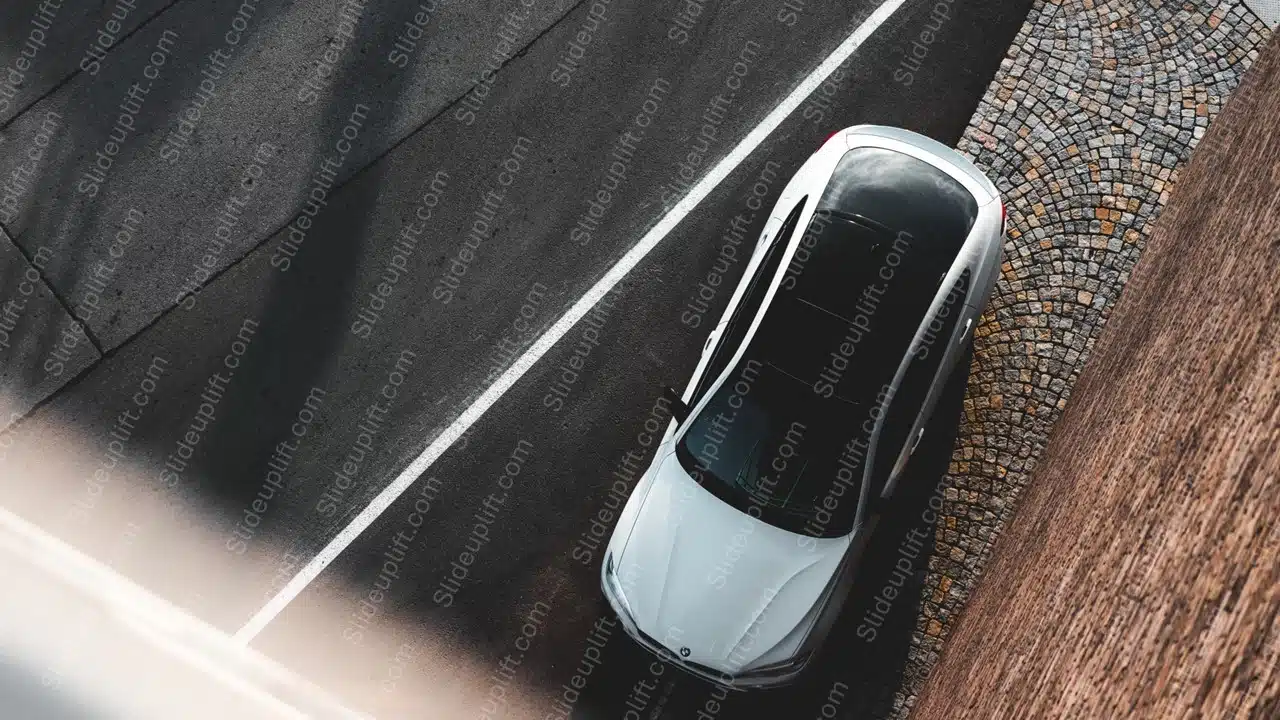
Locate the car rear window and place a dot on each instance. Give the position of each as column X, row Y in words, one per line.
column 904, row 194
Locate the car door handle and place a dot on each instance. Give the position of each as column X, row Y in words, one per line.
column 770, row 227
column 968, row 325
column 914, row 443
column 711, row 338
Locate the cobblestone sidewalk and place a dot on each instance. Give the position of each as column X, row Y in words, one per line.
column 1084, row 128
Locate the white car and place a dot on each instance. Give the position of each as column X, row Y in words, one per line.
column 737, row 547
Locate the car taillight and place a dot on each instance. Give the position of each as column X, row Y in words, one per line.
column 824, row 142
column 1004, row 218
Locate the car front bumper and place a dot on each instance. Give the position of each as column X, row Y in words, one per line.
column 723, row 678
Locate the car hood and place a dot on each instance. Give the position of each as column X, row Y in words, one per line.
column 715, row 585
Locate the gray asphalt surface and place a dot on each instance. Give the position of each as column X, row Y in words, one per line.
column 59, row 39
column 367, row 306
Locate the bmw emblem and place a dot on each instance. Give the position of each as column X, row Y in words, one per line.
column 684, row 652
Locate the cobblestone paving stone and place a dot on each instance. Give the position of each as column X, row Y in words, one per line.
column 1091, row 115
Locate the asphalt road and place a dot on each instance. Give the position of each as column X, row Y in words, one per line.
column 370, row 330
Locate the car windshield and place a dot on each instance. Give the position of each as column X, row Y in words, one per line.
column 768, row 445
column 786, row 435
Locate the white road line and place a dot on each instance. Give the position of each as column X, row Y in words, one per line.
column 562, row 326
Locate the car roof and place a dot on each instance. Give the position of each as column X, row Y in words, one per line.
column 882, row 212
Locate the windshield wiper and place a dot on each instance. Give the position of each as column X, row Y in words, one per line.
column 747, row 465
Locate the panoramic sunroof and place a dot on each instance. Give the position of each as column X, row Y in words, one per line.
column 836, row 259
column 848, row 306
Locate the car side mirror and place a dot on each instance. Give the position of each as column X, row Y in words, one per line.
column 679, row 410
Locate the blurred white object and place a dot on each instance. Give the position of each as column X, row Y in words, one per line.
column 77, row 640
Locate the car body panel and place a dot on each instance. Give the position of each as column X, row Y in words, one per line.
column 764, row 579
